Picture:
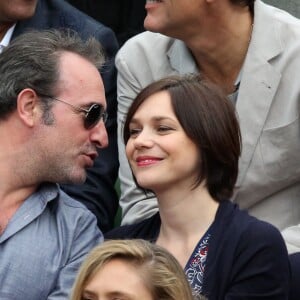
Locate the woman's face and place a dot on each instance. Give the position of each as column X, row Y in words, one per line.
column 160, row 153
column 116, row 280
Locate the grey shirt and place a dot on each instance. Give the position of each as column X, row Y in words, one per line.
column 44, row 245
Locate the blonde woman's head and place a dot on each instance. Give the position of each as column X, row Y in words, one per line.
column 134, row 269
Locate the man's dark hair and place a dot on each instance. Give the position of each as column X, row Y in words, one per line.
column 32, row 61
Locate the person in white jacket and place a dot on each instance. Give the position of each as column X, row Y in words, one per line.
column 251, row 50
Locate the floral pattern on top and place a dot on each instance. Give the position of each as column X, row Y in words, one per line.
column 195, row 267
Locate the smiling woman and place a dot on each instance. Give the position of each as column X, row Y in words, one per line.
column 182, row 142
column 184, row 123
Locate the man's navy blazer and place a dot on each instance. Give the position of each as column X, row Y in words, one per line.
column 98, row 192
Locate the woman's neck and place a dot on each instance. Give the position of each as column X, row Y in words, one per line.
column 185, row 217
column 181, row 210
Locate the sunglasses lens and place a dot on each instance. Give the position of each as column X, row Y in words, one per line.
column 95, row 113
column 93, row 116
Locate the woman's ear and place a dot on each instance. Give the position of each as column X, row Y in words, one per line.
column 27, row 106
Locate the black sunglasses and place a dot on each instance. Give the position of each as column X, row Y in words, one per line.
column 92, row 115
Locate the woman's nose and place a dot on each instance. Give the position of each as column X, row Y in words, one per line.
column 143, row 140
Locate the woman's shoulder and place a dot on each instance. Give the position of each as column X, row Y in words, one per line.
column 251, row 255
column 146, row 229
column 242, row 228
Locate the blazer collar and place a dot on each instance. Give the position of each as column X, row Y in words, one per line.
column 181, row 58
column 266, row 32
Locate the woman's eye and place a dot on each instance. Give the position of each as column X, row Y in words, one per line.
column 164, row 129
column 134, row 131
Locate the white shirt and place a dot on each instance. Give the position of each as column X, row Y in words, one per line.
column 7, row 37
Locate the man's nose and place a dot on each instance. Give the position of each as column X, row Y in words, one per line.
column 99, row 135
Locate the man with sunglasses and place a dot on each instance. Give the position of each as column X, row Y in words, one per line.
column 52, row 124
column 16, row 17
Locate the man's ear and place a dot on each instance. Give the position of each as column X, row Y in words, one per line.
column 27, row 106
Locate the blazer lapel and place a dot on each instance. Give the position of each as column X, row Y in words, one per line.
column 259, row 83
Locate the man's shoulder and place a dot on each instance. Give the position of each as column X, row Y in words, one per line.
column 148, row 43
column 277, row 13
column 60, row 14
column 73, row 18
column 283, row 22
column 74, row 217
column 62, row 209
column 68, row 205
column 62, row 11
column 147, row 56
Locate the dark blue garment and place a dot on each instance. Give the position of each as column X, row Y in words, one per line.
column 295, row 270
column 124, row 17
column 247, row 258
column 98, row 192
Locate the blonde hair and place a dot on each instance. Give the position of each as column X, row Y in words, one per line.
column 161, row 272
